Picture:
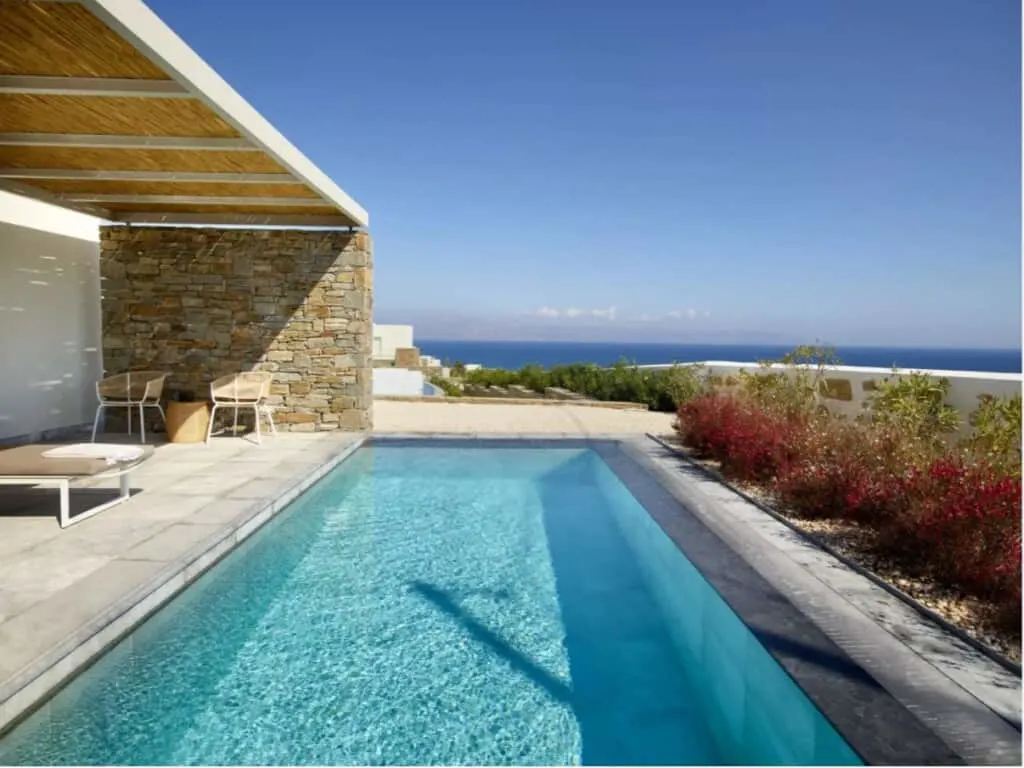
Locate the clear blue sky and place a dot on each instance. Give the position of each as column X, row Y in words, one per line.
column 842, row 169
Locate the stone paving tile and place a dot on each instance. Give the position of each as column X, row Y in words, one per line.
column 174, row 541
column 261, row 488
column 221, row 511
column 30, row 532
column 24, row 585
column 57, row 618
column 211, row 483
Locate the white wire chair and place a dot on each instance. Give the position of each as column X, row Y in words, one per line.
column 132, row 390
column 249, row 389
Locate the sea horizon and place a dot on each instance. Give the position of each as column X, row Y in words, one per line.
column 516, row 354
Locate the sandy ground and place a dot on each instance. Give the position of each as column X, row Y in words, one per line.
column 472, row 418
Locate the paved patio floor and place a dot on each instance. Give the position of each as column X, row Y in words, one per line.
column 484, row 418
column 58, row 587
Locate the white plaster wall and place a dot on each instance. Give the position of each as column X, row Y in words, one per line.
column 388, row 338
column 50, row 326
column 965, row 387
column 397, row 381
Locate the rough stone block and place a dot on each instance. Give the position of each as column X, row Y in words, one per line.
column 407, row 357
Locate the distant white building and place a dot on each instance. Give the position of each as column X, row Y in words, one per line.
column 388, row 338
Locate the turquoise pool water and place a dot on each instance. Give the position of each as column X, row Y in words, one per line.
column 429, row 605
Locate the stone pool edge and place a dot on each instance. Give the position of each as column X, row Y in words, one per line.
column 892, row 705
column 51, row 671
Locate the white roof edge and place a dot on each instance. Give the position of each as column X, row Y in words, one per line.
column 134, row 21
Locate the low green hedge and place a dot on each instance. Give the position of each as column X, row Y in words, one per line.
column 658, row 389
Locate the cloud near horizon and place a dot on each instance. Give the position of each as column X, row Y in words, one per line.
column 573, row 312
column 612, row 313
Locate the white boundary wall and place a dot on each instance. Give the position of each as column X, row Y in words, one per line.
column 397, row 381
column 50, row 324
column 965, row 387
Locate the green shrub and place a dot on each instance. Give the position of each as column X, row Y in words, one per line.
column 533, row 377
column 996, row 435
column 585, row 378
column 915, row 405
column 491, row 377
column 683, row 383
column 660, row 390
column 449, row 387
column 795, row 390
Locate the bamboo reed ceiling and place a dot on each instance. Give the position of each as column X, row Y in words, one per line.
column 84, row 159
column 65, row 39
column 110, row 116
column 85, row 111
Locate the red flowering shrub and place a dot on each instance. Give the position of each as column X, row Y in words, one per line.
column 1010, row 572
column 706, row 421
column 964, row 521
column 750, row 443
column 958, row 519
column 844, row 470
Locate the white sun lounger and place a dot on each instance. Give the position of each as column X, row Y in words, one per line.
column 50, row 465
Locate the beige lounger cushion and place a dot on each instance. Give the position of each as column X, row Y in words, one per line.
column 28, row 461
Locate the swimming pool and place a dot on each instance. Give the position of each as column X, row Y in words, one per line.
column 442, row 604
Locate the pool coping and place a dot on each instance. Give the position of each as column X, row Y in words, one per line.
column 892, row 705
column 33, row 686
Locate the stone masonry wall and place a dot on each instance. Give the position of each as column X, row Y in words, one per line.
column 202, row 303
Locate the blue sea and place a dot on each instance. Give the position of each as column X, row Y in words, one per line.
column 515, row 354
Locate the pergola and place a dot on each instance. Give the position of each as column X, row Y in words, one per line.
column 105, row 110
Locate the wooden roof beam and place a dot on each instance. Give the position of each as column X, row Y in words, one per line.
column 47, row 85
column 166, row 176
column 282, row 202
column 235, row 219
column 93, row 141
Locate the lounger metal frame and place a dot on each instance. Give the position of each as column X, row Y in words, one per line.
column 63, row 484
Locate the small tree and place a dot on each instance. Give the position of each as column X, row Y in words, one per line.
column 796, row 389
column 914, row 405
column 683, row 383
column 996, row 435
